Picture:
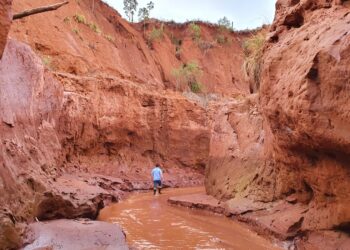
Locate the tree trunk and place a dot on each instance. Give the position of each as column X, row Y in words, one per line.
column 38, row 10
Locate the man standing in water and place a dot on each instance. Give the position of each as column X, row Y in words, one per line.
column 157, row 176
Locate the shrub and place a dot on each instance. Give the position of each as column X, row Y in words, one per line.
column 95, row 28
column 196, row 87
column 187, row 75
column 253, row 54
column 156, row 34
column 80, row 18
column 195, row 31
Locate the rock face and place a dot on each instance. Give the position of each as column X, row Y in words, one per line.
column 306, row 109
column 122, row 49
column 29, row 146
column 235, row 147
column 117, row 127
column 67, row 234
column 298, row 173
column 5, row 23
column 101, row 101
column 120, row 114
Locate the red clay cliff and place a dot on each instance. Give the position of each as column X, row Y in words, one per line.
column 88, row 104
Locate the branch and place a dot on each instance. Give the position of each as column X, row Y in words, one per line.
column 38, row 10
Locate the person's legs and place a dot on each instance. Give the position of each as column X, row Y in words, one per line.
column 159, row 187
column 154, row 187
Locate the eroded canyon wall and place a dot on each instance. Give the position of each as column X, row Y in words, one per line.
column 83, row 93
column 306, row 107
column 30, row 100
column 120, row 111
column 304, row 97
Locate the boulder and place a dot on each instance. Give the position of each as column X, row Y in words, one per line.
column 69, row 234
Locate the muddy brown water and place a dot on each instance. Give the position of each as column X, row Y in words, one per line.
column 151, row 223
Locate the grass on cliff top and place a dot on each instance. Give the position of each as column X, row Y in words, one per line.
column 253, row 55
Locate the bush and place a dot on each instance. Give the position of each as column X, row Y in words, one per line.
column 187, row 75
column 195, row 31
column 156, row 34
column 196, row 87
column 80, row 18
column 253, row 54
column 95, row 28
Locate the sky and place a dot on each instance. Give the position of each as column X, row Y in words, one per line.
column 244, row 14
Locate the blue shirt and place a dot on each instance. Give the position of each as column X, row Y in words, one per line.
column 157, row 174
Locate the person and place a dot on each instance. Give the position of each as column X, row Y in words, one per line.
column 157, row 176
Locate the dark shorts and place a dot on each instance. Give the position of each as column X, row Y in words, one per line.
column 157, row 184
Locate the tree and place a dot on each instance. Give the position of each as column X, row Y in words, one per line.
column 130, row 7
column 150, row 6
column 144, row 13
column 225, row 23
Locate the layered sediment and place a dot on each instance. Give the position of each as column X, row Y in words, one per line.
column 302, row 169
column 89, row 103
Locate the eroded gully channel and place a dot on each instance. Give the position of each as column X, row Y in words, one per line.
column 151, row 223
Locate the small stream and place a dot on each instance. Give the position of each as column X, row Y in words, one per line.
column 151, row 223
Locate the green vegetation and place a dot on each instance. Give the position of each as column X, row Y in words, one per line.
column 156, row 34
column 196, row 32
column 225, row 23
column 80, row 18
column 95, row 28
column 253, row 53
column 187, row 76
column 225, row 27
column 196, row 87
column 130, row 7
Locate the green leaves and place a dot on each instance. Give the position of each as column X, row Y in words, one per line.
column 187, row 74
